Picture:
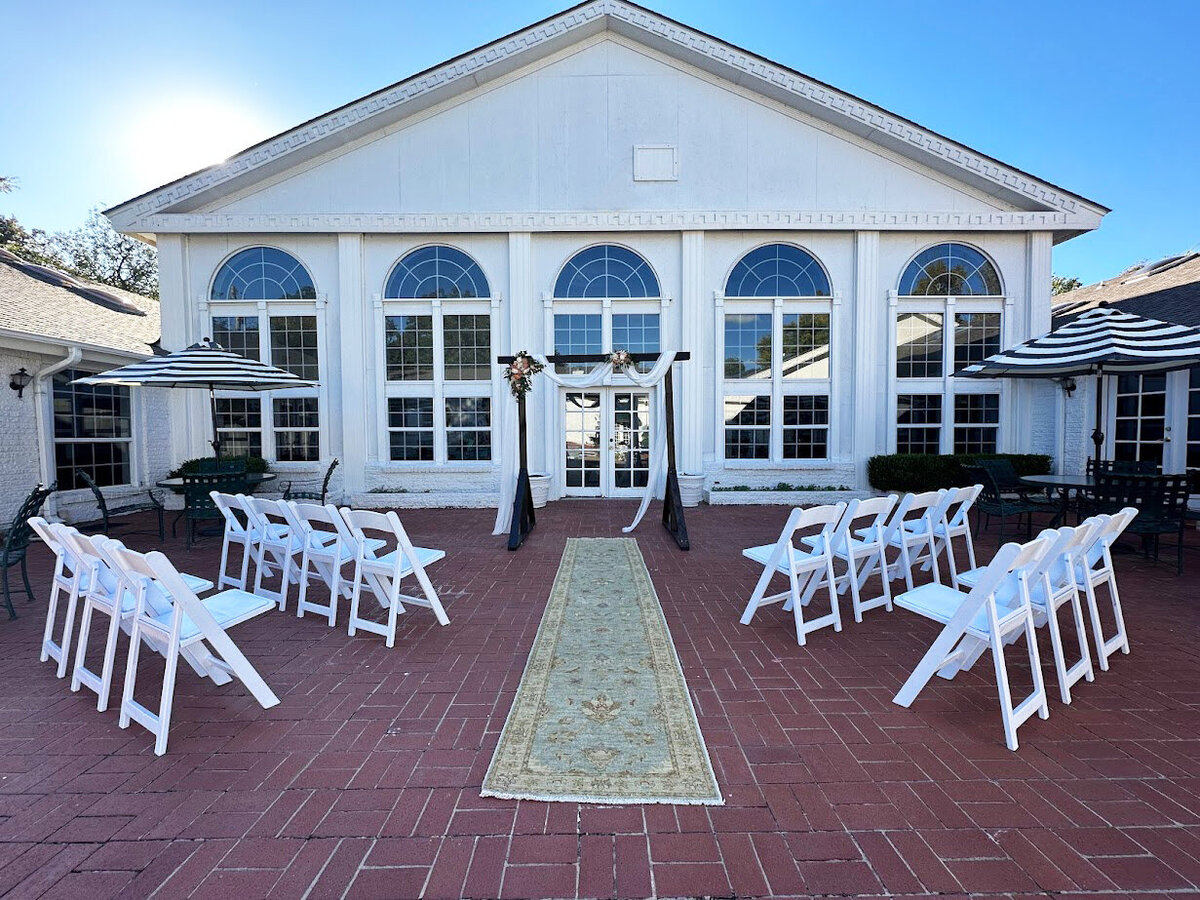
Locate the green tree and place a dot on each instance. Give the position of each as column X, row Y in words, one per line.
column 1060, row 285
column 97, row 252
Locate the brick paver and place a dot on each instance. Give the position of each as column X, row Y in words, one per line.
column 364, row 781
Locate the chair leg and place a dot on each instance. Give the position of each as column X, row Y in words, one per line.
column 29, row 590
column 12, row 613
column 162, row 533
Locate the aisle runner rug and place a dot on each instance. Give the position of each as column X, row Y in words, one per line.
column 602, row 713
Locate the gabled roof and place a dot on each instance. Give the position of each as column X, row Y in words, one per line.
column 477, row 67
column 48, row 305
column 1168, row 290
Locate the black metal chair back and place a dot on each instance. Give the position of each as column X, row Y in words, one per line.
column 198, row 505
column 1003, row 473
column 16, row 544
column 97, row 493
column 289, row 494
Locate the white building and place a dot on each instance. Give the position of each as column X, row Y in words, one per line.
column 611, row 178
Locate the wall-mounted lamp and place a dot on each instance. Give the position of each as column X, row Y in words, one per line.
column 19, row 380
column 1068, row 385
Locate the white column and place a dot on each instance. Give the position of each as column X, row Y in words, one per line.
column 525, row 334
column 692, row 412
column 871, row 330
column 1027, row 306
column 358, row 389
column 179, row 311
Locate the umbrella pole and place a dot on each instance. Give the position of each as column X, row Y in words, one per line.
column 1098, row 431
column 216, row 439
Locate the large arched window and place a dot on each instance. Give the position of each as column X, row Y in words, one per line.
column 287, row 427
column 438, row 405
column 776, row 348
column 437, row 271
column 777, row 270
column 950, row 270
column 949, row 316
column 606, row 271
column 263, row 273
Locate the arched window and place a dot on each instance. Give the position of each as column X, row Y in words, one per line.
column 778, row 270
column 606, row 270
column 436, row 272
column 950, row 270
column 263, row 273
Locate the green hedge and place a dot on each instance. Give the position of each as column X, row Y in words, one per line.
column 927, row 472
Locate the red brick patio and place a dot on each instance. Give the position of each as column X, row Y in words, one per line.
column 364, row 781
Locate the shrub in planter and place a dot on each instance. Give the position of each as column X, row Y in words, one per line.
column 927, row 472
column 189, row 466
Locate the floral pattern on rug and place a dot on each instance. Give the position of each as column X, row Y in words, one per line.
column 602, row 712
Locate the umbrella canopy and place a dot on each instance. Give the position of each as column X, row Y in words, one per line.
column 1102, row 341
column 205, row 366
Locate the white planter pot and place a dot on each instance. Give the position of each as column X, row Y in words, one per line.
column 691, row 489
column 539, row 486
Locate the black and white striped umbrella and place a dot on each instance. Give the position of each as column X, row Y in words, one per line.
column 204, row 366
column 1103, row 341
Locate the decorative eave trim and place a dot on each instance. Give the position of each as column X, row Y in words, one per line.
column 650, row 220
column 473, row 69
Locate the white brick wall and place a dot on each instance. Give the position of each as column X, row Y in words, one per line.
column 19, row 470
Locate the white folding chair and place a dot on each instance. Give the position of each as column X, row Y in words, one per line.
column 910, row 531
column 996, row 607
column 380, row 572
column 69, row 574
column 237, row 533
column 327, row 547
column 806, row 570
column 275, row 539
column 1094, row 569
column 186, row 623
column 955, row 523
column 108, row 594
column 863, row 547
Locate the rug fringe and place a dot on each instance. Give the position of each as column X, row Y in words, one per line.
column 601, row 801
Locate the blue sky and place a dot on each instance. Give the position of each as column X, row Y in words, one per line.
column 1098, row 97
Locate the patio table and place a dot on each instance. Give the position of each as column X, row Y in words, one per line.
column 1064, row 484
column 250, row 477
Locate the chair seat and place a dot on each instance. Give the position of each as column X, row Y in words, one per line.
column 940, row 602
column 425, row 555
column 228, row 607
column 857, row 544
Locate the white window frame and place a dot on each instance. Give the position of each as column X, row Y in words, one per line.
column 778, row 387
column 946, row 385
column 264, row 310
column 439, row 387
column 136, row 423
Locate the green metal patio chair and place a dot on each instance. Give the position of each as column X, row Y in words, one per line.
column 16, row 544
column 153, row 503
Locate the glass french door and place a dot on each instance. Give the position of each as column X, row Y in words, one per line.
column 606, row 442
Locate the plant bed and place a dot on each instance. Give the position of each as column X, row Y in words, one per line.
column 781, row 494
column 388, row 498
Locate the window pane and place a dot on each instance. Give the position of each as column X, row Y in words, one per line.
column 263, row 273
column 606, row 271
column 918, row 423
column 468, row 428
column 919, row 345
column 437, row 272
column 409, row 347
column 238, row 334
column 805, row 427
column 92, row 427
column 976, row 417
column 239, row 424
column 748, row 427
column 976, row 337
column 637, row 333
column 747, row 345
column 107, row 463
column 777, row 270
column 806, row 345
column 410, row 427
column 468, row 344
column 297, row 438
column 577, row 333
column 294, row 345
column 950, row 270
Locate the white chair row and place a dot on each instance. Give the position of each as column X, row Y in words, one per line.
column 860, row 535
column 303, row 542
column 144, row 596
column 1021, row 589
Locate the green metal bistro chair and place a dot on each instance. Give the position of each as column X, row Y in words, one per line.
column 1010, row 485
column 153, row 503
column 16, row 544
column 198, row 505
column 289, row 493
column 1161, row 502
column 992, row 504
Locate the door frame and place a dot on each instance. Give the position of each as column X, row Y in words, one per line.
column 608, row 394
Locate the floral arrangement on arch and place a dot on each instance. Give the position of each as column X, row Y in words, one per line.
column 621, row 360
column 519, row 373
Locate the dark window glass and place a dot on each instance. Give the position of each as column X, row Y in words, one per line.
column 976, row 421
column 263, row 273
column 297, row 438
column 239, row 423
column 637, row 333
column 805, row 427
column 468, row 343
column 409, row 346
column 294, row 346
column 976, row 337
column 92, row 431
column 606, row 271
column 919, row 345
column 410, row 428
column 747, row 345
column 748, row 427
column 954, row 270
column 468, row 428
column 918, row 423
column 438, row 271
column 778, row 270
column 238, row 334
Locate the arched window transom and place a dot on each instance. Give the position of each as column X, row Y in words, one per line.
column 263, row 273
column 606, row 271
column 950, row 270
column 436, row 272
column 778, row 270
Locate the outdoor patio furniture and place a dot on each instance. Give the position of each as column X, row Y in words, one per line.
column 67, row 574
column 913, row 535
column 950, row 519
column 198, row 505
column 237, row 531
column 1161, row 502
column 16, row 545
column 1009, row 483
column 992, row 504
column 997, row 607
column 863, row 548
column 381, row 572
column 186, row 622
column 1096, row 570
column 1121, row 466
column 806, row 570
column 276, row 546
column 328, row 547
column 152, row 503
column 290, row 492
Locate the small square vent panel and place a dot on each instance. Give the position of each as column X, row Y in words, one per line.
column 655, row 162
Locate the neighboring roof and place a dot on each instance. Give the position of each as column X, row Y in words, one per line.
column 1168, row 289
column 476, row 67
column 47, row 304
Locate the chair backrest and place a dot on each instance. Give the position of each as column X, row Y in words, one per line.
column 386, row 525
column 96, row 492
column 1108, row 528
column 266, row 515
column 328, row 477
column 899, row 514
column 1024, row 569
column 959, row 502
column 876, row 511
column 82, row 549
column 229, row 506
column 198, row 488
column 1002, row 471
column 48, row 532
column 827, row 517
column 989, row 488
column 19, row 532
column 303, row 524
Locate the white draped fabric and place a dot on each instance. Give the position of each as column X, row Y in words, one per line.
column 509, row 432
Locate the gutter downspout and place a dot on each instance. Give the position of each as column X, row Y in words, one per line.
column 44, row 426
